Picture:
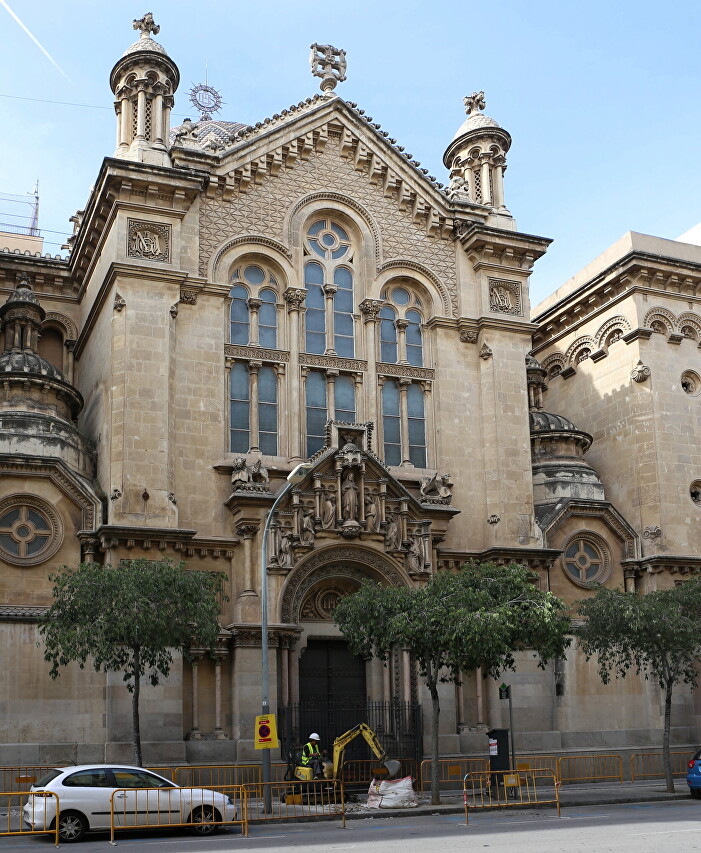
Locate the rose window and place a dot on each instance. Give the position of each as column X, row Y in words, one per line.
column 584, row 561
column 29, row 531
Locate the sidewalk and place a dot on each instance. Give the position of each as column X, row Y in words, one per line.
column 591, row 794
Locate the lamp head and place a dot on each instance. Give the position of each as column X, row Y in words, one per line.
column 299, row 472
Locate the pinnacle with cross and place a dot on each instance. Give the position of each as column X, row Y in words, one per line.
column 147, row 25
column 474, row 102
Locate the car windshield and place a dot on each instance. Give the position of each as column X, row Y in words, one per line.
column 697, row 757
column 48, row 777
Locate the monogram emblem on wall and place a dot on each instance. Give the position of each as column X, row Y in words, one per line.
column 505, row 297
column 149, row 241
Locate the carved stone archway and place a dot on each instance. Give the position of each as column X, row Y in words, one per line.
column 338, row 561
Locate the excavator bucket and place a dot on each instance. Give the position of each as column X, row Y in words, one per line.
column 393, row 767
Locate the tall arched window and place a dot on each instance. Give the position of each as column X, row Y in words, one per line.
column 417, row 425
column 267, row 319
column 267, row 410
column 403, row 423
column 344, row 399
column 317, row 412
column 253, row 306
column 239, row 398
column 401, row 339
column 391, row 423
column 240, row 322
column 329, row 277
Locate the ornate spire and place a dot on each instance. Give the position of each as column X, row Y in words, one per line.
column 147, row 25
column 328, row 63
column 474, row 102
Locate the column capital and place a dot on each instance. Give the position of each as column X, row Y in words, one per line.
column 370, row 309
column 254, row 303
column 294, row 296
column 401, row 323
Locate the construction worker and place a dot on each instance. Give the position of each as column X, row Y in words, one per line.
column 311, row 756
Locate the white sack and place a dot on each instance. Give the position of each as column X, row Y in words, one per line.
column 392, row 794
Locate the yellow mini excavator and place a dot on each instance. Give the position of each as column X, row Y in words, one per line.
column 305, row 774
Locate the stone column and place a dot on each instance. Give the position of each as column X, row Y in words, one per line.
column 629, row 579
column 69, row 360
column 370, row 309
column 195, row 733
column 486, row 191
column 401, row 326
column 295, row 302
column 157, row 119
column 219, row 733
column 284, row 675
column 498, row 179
column 294, row 677
column 404, row 419
column 141, row 115
column 331, row 393
column 460, row 705
column 254, row 439
column 247, row 532
column 329, row 293
column 254, row 309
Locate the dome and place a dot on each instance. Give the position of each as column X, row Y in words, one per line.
column 24, row 361
column 477, row 121
column 145, row 43
column 547, row 422
column 209, row 129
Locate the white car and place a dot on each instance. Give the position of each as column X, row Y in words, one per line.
column 85, row 796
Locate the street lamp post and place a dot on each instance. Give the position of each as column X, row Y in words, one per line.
column 293, row 478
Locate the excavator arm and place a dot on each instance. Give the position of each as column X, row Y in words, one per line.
column 341, row 742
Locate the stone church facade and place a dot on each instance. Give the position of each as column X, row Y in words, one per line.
column 241, row 299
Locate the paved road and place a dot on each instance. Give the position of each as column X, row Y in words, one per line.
column 642, row 828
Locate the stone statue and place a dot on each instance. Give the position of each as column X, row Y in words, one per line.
column 240, row 476
column 436, row 488
column 392, row 542
column 372, row 514
column 285, row 556
column 414, row 555
column 259, row 473
column 349, row 497
column 328, row 512
column 307, row 532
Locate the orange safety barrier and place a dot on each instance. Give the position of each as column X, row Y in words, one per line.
column 200, row 808
column 648, row 765
column 503, row 788
column 590, row 768
column 296, row 800
column 217, row 775
column 168, row 772
column 450, row 770
column 38, row 817
column 536, row 762
column 21, row 779
column 361, row 771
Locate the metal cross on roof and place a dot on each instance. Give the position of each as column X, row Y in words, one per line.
column 328, row 63
column 147, row 25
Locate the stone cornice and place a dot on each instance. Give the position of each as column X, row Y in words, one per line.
column 162, row 539
column 21, row 612
column 656, row 563
column 533, row 557
column 500, row 250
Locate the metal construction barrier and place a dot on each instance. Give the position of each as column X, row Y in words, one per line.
column 648, row 765
column 21, row 779
column 42, row 812
column 296, row 800
column 361, row 771
column 170, row 807
column 537, row 762
column 590, row 768
column 167, row 772
column 450, row 770
column 503, row 788
column 217, row 776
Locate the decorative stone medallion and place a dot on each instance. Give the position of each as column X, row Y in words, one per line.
column 148, row 241
column 505, row 297
column 30, row 530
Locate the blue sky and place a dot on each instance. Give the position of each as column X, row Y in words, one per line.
column 602, row 100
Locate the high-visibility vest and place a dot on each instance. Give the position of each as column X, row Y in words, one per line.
column 309, row 751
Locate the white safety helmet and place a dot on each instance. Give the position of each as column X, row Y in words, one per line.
column 314, row 736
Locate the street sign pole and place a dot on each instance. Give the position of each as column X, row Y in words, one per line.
column 505, row 693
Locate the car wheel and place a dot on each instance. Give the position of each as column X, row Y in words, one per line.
column 72, row 826
column 695, row 793
column 202, row 818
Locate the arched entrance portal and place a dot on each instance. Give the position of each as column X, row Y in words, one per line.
column 336, row 689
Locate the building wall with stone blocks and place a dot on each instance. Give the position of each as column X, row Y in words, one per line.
column 241, row 299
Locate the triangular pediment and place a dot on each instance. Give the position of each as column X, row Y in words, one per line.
column 301, row 132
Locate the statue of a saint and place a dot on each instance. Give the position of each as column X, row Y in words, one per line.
column 307, row 531
column 371, row 513
column 392, row 542
column 328, row 511
column 349, row 497
column 285, row 556
column 414, row 556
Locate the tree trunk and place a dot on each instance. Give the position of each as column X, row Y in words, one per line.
column 666, row 737
column 436, row 709
column 136, row 726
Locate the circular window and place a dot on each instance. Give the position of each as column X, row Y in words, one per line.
column 586, row 560
column 691, row 383
column 30, row 530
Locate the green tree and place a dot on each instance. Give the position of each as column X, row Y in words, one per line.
column 130, row 618
column 459, row 621
column 658, row 634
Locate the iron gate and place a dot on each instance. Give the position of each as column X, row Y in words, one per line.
column 397, row 724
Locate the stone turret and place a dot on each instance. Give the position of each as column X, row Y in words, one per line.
column 144, row 82
column 476, row 158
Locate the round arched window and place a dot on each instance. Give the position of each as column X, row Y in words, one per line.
column 30, row 530
column 586, row 560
